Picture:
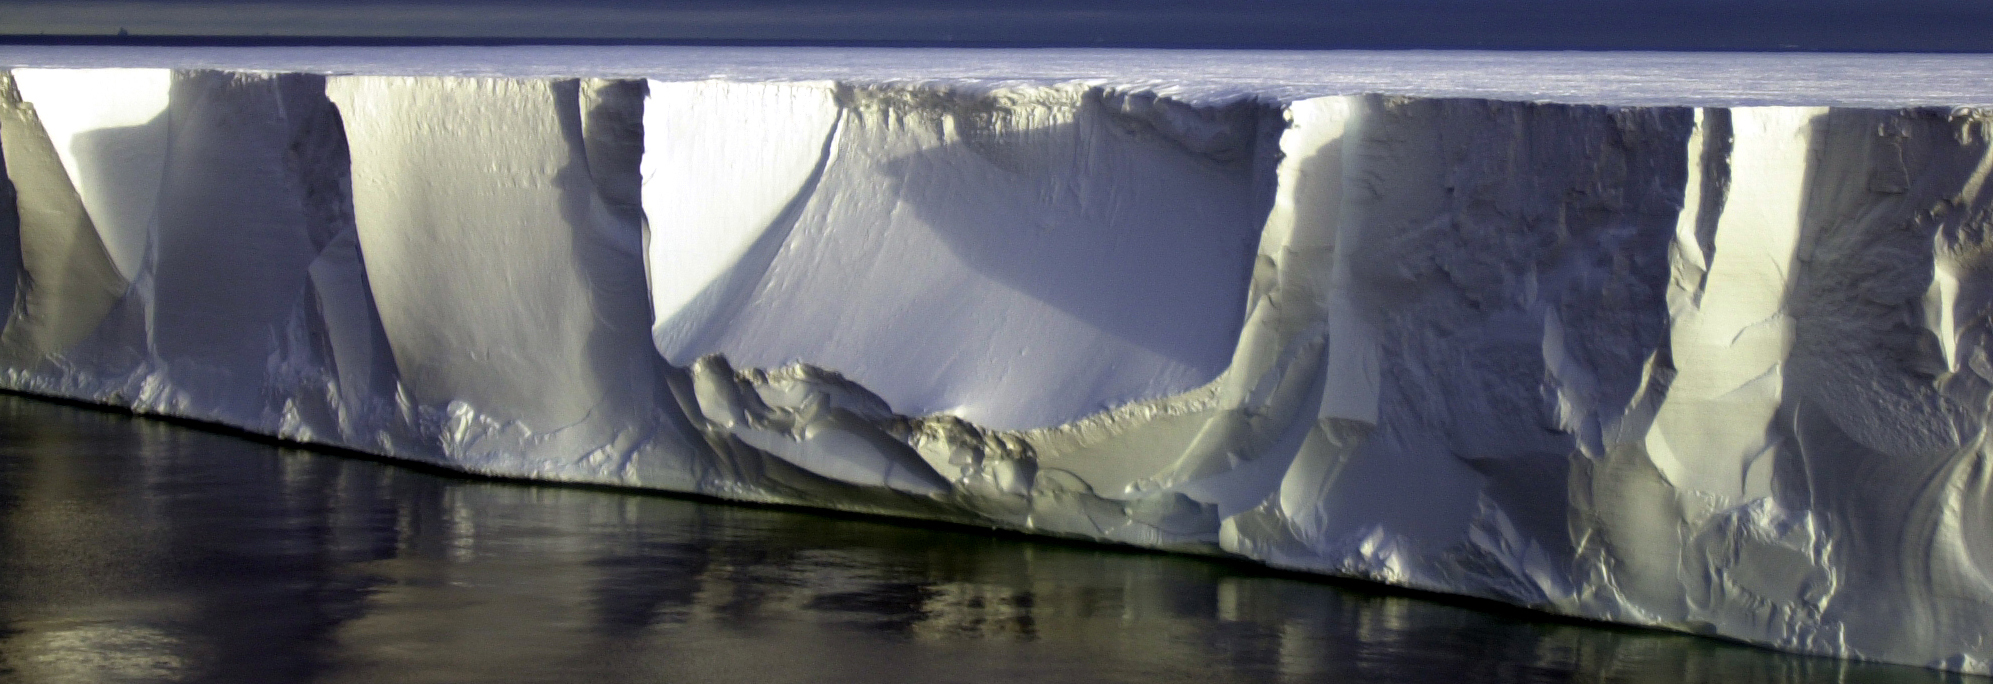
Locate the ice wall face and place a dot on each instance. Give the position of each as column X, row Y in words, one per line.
column 509, row 290
column 1064, row 250
column 108, row 128
column 1495, row 299
column 1713, row 369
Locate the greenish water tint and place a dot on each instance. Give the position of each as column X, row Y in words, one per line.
column 133, row 550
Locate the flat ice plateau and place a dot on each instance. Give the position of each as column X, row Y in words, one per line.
column 1698, row 342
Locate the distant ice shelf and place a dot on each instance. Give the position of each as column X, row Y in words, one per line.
column 1721, row 369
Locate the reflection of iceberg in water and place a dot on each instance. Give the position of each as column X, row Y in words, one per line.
column 235, row 561
column 1711, row 369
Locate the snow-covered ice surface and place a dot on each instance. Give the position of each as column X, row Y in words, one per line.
column 1690, row 341
column 1631, row 78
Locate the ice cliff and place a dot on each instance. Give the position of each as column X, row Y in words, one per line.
column 1722, row 370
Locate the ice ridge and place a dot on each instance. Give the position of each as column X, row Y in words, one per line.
column 1721, row 370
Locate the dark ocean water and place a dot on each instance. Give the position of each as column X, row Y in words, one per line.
column 133, row 550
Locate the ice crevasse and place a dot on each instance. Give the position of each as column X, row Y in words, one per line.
column 1722, row 370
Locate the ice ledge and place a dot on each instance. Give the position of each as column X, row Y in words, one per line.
column 1713, row 369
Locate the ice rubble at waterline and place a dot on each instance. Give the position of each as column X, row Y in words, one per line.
column 1714, row 369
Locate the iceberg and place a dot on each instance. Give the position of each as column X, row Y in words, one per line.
column 1710, row 368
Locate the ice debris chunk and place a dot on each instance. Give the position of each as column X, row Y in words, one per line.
column 1721, row 370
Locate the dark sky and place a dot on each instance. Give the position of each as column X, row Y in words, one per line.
column 1863, row 25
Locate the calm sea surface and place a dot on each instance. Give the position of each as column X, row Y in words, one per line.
column 138, row 551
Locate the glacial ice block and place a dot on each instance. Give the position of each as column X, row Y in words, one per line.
column 1065, row 250
column 510, row 292
column 65, row 280
column 108, row 126
column 1714, row 369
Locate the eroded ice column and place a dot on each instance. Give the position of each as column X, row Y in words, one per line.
column 1695, row 491
column 257, row 298
column 79, row 251
column 1814, row 463
column 108, row 126
column 1731, row 332
column 1882, row 431
column 511, row 294
column 1719, row 370
column 207, row 220
column 1496, row 294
